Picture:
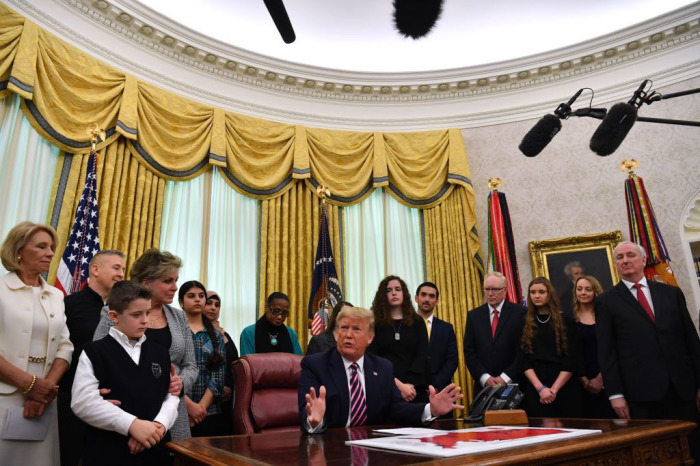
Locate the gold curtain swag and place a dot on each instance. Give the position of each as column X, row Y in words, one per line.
column 454, row 265
column 65, row 89
column 289, row 229
column 153, row 135
column 130, row 201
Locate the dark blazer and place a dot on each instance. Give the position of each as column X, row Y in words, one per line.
column 486, row 354
column 639, row 358
column 321, row 342
column 443, row 353
column 384, row 402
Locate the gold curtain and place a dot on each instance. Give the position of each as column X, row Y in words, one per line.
column 289, row 226
column 130, row 200
column 452, row 256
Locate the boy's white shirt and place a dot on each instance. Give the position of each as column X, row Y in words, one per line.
column 91, row 407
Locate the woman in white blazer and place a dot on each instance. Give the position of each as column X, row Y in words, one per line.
column 34, row 347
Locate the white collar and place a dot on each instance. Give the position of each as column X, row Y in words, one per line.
column 119, row 336
column 630, row 285
column 360, row 363
column 499, row 307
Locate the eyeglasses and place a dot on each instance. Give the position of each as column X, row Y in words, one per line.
column 276, row 312
column 494, row 290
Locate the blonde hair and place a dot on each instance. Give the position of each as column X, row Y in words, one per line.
column 359, row 314
column 17, row 238
column 153, row 264
column 597, row 291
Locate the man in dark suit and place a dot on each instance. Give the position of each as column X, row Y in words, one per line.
column 441, row 335
column 648, row 348
column 490, row 350
column 330, row 379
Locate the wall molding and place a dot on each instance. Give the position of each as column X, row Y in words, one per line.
column 139, row 41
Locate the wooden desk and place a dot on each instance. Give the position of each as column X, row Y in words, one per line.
column 635, row 442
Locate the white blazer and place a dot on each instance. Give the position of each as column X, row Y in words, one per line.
column 16, row 317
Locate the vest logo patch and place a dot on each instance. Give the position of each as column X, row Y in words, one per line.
column 156, row 370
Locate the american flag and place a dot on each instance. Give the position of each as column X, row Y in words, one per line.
column 83, row 242
column 325, row 287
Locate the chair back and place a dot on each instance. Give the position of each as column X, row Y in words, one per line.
column 265, row 396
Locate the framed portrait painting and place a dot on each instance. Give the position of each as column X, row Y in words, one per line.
column 562, row 260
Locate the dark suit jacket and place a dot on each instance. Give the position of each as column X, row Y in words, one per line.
column 443, row 353
column 384, row 402
column 639, row 358
column 486, row 354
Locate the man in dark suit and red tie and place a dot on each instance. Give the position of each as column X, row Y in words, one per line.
column 648, row 348
column 346, row 387
column 492, row 336
column 441, row 336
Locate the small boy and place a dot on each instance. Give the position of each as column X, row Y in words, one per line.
column 138, row 374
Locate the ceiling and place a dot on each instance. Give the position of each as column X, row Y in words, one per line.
column 359, row 35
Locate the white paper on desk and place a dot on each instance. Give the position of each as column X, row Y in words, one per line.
column 17, row 427
column 407, row 431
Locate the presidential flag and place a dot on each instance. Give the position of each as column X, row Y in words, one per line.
column 83, row 242
column 325, row 287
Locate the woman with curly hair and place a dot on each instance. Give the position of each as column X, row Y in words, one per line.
column 550, row 355
column 400, row 336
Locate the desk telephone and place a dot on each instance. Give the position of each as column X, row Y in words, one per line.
column 495, row 398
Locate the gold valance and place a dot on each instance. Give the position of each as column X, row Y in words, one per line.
column 65, row 89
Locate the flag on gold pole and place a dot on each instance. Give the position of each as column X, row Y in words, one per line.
column 644, row 229
column 501, row 253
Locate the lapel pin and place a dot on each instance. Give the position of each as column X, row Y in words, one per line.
column 373, row 372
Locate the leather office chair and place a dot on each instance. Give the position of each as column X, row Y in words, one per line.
column 265, row 395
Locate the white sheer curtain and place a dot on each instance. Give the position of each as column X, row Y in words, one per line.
column 27, row 166
column 233, row 255
column 182, row 227
column 382, row 237
column 196, row 214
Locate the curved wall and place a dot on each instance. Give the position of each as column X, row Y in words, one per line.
column 565, row 191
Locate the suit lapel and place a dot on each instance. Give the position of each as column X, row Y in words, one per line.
column 627, row 296
column 340, row 378
column 371, row 385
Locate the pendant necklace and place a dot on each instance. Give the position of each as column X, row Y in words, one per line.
column 397, row 335
column 273, row 339
column 549, row 316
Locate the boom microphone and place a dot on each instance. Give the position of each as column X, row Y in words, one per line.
column 540, row 135
column 617, row 123
column 549, row 125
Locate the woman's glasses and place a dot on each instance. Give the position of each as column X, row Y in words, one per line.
column 276, row 312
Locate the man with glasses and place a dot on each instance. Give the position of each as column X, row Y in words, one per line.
column 269, row 334
column 492, row 336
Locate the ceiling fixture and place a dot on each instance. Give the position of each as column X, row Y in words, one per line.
column 416, row 18
column 279, row 15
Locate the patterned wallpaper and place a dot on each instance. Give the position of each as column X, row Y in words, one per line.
column 567, row 190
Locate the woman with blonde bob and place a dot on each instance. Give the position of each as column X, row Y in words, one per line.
column 159, row 271
column 34, row 347
column 595, row 401
column 549, row 351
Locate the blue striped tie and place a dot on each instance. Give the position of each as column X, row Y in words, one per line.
column 358, row 407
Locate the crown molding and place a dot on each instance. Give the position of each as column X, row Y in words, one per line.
column 137, row 40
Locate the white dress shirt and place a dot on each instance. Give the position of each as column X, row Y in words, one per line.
column 484, row 377
column 88, row 404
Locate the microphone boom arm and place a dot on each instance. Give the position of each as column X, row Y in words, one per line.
column 599, row 114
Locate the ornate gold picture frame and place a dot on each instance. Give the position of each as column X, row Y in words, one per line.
column 592, row 253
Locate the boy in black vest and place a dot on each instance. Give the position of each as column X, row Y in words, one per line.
column 137, row 372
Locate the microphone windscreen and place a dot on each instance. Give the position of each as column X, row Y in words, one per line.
column 539, row 136
column 613, row 129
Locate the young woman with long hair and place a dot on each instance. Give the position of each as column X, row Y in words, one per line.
column 550, row 355
column 203, row 404
column 595, row 400
column 400, row 336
